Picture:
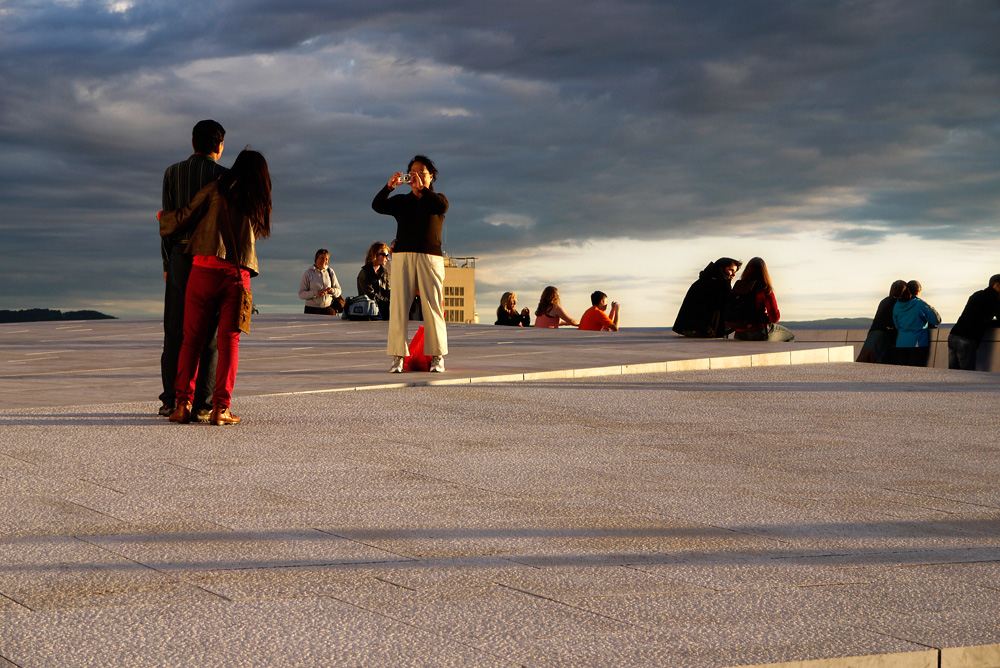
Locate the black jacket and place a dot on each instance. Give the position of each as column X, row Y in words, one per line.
column 374, row 284
column 701, row 311
column 419, row 220
column 980, row 312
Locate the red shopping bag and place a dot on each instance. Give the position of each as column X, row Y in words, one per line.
column 416, row 360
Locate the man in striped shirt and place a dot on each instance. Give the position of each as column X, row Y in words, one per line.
column 181, row 182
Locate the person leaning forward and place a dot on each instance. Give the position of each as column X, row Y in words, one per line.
column 981, row 312
column 700, row 315
column 595, row 319
column 181, row 182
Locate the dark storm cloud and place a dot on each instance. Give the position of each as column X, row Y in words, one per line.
column 551, row 121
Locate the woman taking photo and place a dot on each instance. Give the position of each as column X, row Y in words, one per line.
column 230, row 215
column 549, row 313
column 417, row 259
column 507, row 312
column 373, row 279
column 320, row 288
column 752, row 309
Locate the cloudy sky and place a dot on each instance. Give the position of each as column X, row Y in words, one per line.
column 609, row 145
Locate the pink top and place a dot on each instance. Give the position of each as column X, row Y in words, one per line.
column 547, row 322
column 213, row 262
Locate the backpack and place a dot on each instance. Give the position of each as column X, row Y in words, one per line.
column 741, row 311
column 361, row 307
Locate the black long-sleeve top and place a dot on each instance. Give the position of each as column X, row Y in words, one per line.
column 419, row 220
column 980, row 312
column 883, row 316
column 515, row 319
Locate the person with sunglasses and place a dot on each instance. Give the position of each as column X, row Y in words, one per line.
column 373, row 279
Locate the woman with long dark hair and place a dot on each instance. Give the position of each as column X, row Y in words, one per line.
column 753, row 309
column 881, row 339
column 230, row 215
column 550, row 314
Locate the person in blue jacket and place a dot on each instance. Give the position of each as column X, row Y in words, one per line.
column 912, row 317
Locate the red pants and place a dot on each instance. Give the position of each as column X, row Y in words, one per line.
column 210, row 291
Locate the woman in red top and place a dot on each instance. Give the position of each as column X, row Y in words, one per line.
column 756, row 282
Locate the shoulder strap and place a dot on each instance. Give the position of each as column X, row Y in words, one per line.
column 232, row 237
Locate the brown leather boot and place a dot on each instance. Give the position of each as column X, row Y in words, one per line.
column 222, row 416
column 182, row 413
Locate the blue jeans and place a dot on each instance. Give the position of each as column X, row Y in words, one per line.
column 961, row 353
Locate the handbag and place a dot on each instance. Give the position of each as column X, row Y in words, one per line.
column 246, row 295
column 336, row 303
column 246, row 308
column 417, row 360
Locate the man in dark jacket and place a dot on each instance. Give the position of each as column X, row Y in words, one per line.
column 700, row 315
column 981, row 311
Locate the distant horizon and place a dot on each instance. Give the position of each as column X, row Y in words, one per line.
column 836, row 322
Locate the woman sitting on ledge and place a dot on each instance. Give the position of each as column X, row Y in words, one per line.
column 320, row 288
column 507, row 312
column 549, row 313
column 752, row 309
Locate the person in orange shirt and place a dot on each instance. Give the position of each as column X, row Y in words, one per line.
column 595, row 319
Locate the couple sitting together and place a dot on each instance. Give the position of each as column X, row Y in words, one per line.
column 714, row 308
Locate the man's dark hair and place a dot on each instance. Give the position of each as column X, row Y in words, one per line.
column 207, row 135
column 724, row 262
column 428, row 163
column 994, row 279
column 596, row 297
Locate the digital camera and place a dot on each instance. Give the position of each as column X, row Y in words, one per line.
column 405, row 178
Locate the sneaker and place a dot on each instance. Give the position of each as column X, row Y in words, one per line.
column 397, row 364
column 166, row 409
column 201, row 415
column 437, row 364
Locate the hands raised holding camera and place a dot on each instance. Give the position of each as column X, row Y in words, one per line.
column 415, row 180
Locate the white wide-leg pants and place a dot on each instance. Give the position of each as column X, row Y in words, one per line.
column 408, row 273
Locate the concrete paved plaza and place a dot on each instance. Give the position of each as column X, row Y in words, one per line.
column 729, row 505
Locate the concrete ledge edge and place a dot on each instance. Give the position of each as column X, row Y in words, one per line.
column 973, row 656
column 917, row 659
column 782, row 358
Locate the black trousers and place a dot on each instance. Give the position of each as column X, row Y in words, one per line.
column 178, row 270
column 911, row 356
